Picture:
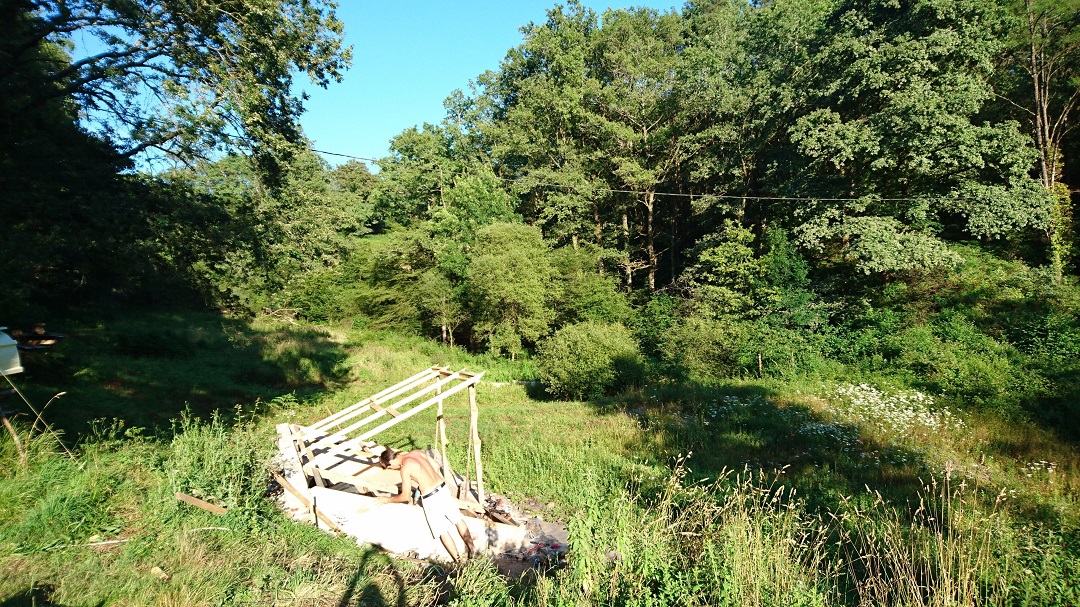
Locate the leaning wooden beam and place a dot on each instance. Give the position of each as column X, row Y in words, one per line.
column 296, row 440
column 352, row 450
column 285, row 484
column 300, row 439
column 338, row 457
column 418, row 408
column 362, row 484
column 387, row 394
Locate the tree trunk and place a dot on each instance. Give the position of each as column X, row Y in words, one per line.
column 650, row 237
column 598, row 226
column 626, row 247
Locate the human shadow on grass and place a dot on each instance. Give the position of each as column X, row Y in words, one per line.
column 362, row 589
column 144, row 370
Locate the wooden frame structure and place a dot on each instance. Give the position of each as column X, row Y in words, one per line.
column 340, row 448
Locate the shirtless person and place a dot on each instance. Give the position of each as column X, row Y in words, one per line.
column 440, row 509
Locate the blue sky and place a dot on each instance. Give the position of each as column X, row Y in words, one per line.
column 408, row 57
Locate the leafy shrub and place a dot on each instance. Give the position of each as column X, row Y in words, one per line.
column 588, row 360
column 652, row 321
column 702, row 349
column 709, row 350
column 954, row 358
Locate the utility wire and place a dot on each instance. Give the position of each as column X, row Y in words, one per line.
column 664, row 194
column 670, row 194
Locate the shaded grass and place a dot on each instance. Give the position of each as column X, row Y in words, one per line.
column 144, row 369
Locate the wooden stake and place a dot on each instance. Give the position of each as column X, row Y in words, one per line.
column 440, row 429
column 474, row 415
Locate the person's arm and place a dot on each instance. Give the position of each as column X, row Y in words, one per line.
column 405, row 496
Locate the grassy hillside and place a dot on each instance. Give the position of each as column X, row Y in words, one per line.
column 752, row 492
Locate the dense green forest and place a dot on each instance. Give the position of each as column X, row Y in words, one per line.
column 733, row 190
column 639, row 205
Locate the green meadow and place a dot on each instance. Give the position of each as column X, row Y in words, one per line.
column 743, row 493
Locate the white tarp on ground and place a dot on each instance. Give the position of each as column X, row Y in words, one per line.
column 398, row 528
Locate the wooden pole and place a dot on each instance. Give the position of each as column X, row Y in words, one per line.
column 440, row 429
column 474, row 415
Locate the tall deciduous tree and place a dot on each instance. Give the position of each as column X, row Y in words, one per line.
column 174, row 76
column 638, row 64
column 1040, row 78
column 890, row 131
column 509, row 284
column 542, row 124
column 1045, row 49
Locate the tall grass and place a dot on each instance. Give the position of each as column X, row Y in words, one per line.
column 745, row 540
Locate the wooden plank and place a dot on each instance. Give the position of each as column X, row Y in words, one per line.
column 388, row 394
column 392, row 411
column 299, row 453
column 198, row 503
column 359, row 482
column 474, row 415
column 415, row 410
column 375, row 486
column 302, row 441
column 500, row 517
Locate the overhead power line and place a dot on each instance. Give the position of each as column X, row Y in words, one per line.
column 671, row 194
column 371, row 160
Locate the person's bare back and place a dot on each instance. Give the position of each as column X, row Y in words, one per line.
column 416, row 465
column 440, row 509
